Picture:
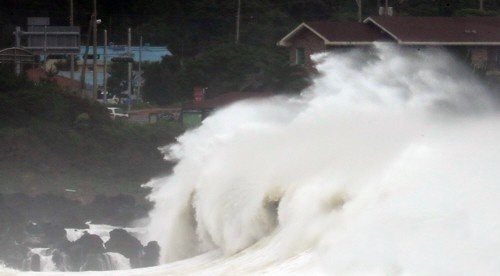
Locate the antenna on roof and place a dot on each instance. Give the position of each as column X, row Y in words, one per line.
column 360, row 12
column 385, row 10
column 389, row 11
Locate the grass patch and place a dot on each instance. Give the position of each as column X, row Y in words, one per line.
column 52, row 141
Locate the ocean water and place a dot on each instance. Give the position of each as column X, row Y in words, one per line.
column 386, row 165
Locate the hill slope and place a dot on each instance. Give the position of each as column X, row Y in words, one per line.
column 52, row 141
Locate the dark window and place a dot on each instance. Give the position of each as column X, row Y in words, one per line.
column 300, row 56
column 497, row 58
column 91, row 56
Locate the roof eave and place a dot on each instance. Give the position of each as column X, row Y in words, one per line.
column 369, row 19
column 355, row 43
column 452, row 43
column 430, row 43
column 284, row 41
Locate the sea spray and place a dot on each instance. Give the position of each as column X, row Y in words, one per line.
column 386, row 164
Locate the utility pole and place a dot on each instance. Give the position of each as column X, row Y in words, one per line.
column 238, row 18
column 481, row 8
column 18, row 45
column 71, row 56
column 360, row 13
column 129, row 69
column 94, row 63
column 45, row 45
column 85, row 57
column 105, row 71
column 139, row 74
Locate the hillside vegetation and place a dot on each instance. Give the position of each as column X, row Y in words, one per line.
column 55, row 141
column 206, row 48
column 52, row 141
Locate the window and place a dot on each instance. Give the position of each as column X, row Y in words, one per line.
column 300, row 56
column 91, row 56
column 497, row 58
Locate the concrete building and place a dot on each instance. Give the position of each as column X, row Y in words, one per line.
column 145, row 54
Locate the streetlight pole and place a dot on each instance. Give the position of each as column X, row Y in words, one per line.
column 129, row 69
column 238, row 18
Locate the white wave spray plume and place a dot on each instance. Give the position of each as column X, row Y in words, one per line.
column 386, row 165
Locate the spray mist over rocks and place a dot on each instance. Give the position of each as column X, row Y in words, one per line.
column 387, row 164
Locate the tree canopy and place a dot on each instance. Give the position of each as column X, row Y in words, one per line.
column 201, row 35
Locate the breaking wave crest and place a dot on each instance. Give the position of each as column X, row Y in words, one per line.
column 385, row 165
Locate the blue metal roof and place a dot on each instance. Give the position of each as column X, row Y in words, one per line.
column 148, row 53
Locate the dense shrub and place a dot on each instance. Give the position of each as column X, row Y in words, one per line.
column 52, row 140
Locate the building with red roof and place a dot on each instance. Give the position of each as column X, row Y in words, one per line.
column 480, row 36
column 193, row 113
column 39, row 74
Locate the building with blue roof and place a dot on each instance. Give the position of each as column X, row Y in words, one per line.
column 146, row 54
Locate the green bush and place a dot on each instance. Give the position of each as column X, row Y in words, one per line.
column 50, row 139
column 475, row 12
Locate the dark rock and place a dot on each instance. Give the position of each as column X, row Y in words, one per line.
column 79, row 251
column 12, row 253
column 40, row 221
column 61, row 260
column 151, row 255
column 12, row 234
column 35, row 263
column 122, row 242
column 96, row 262
column 45, row 235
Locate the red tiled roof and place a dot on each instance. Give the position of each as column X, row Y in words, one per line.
column 440, row 30
column 341, row 32
column 453, row 31
column 337, row 33
column 225, row 99
column 38, row 74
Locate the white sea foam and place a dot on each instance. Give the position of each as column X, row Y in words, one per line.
column 386, row 165
column 101, row 230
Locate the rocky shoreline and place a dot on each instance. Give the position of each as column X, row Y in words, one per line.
column 29, row 222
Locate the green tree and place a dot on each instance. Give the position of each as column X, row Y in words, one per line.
column 118, row 79
column 223, row 68
column 236, row 67
column 160, row 86
column 9, row 81
column 262, row 23
column 475, row 12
